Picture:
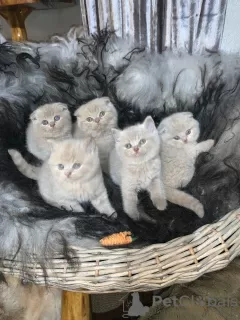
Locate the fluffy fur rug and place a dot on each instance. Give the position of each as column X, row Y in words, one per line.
column 75, row 69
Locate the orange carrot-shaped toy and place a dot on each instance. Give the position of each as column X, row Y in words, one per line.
column 117, row 239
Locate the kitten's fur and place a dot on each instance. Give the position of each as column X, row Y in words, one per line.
column 91, row 123
column 67, row 186
column 179, row 150
column 140, row 169
column 43, row 126
column 20, row 301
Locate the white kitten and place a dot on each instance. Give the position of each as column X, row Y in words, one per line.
column 135, row 165
column 179, row 150
column 96, row 119
column 70, row 176
column 50, row 121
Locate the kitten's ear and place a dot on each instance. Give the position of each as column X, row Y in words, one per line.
column 90, row 146
column 107, row 100
column 116, row 134
column 64, row 107
column 76, row 113
column 161, row 130
column 189, row 114
column 33, row 115
column 149, row 124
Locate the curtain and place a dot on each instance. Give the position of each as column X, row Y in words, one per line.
column 189, row 25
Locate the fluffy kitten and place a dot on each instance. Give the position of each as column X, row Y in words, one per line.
column 50, row 121
column 70, row 176
column 96, row 119
column 27, row 301
column 135, row 165
column 179, row 150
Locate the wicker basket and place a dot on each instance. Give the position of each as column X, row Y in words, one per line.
column 181, row 260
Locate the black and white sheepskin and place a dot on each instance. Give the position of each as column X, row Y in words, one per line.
column 75, row 69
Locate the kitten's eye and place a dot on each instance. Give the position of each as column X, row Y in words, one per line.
column 188, row 131
column 89, row 119
column 176, row 138
column 60, row 166
column 76, row 166
column 128, row 145
column 56, row 118
column 102, row 113
column 142, row 141
column 44, row 122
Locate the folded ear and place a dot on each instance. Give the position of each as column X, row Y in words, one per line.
column 64, row 107
column 77, row 112
column 189, row 114
column 116, row 134
column 33, row 115
column 161, row 130
column 149, row 124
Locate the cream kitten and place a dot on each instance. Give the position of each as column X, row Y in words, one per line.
column 70, row 176
column 20, row 301
column 135, row 165
column 179, row 150
column 50, row 121
column 96, row 119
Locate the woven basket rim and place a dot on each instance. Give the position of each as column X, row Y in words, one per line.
column 102, row 270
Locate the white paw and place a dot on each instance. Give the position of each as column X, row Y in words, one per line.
column 160, row 204
column 210, row 144
column 199, row 210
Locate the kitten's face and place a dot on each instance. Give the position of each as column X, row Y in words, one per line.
column 96, row 116
column 73, row 160
column 138, row 143
column 179, row 129
column 52, row 119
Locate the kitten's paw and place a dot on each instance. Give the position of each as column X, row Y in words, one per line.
column 199, row 210
column 160, row 204
column 209, row 144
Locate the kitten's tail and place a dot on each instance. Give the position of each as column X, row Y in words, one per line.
column 185, row 200
column 23, row 166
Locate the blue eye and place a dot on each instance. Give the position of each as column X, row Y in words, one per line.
column 44, row 122
column 128, row 145
column 56, row 118
column 60, row 166
column 176, row 138
column 188, row 131
column 76, row 166
column 142, row 141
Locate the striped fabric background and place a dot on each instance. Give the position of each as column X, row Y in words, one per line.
column 189, row 25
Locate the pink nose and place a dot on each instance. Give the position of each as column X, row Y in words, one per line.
column 136, row 149
column 97, row 120
column 185, row 140
column 52, row 124
column 67, row 174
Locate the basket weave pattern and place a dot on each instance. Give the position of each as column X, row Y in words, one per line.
column 181, row 260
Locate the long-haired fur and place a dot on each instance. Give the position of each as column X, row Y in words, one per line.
column 75, row 69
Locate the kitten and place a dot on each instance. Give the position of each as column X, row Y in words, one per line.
column 96, row 119
column 135, row 165
column 50, row 121
column 179, row 150
column 70, row 176
column 20, row 300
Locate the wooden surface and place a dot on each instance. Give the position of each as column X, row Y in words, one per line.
column 75, row 306
column 15, row 17
column 15, row 2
